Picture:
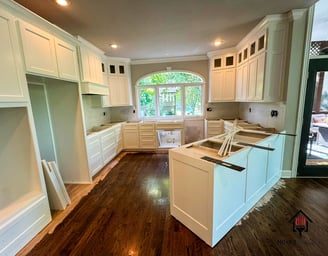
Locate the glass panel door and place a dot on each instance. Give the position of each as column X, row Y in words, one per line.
column 313, row 157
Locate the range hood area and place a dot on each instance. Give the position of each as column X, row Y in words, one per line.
column 94, row 88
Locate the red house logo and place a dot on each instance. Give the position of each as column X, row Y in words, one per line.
column 300, row 222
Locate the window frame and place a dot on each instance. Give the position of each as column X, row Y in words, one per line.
column 156, row 88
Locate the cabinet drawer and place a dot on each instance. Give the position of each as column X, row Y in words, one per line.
column 147, row 132
column 93, row 145
column 147, row 126
column 147, row 142
column 169, row 126
column 108, row 138
column 130, row 127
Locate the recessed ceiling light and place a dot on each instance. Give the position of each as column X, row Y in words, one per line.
column 218, row 42
column 114, row 46
column 63, row 2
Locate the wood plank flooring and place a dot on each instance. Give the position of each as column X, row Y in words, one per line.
column 127, row 213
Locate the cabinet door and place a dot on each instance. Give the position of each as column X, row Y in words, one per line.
column 256, row 78
column 222, row 85
column 108, row 146
column 229, row 86
column 130, row 138
column 67, row 60
column 39, row 50
column 94, row 154
column 120, row 93
column 13, row 86
column 256, row 171
column 217, row 79
column 95, row 68
column 242, row 82
column 275, row 157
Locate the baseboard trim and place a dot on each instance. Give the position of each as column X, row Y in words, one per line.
column 286, row 174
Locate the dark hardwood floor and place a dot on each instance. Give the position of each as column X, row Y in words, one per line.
column 127, row 213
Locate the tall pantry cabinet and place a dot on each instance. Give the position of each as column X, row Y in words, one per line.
column 24, row 208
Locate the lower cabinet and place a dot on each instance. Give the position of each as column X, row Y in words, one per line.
column 147, row 137
column 94, row 154
column 102, row 147
column 210, row 198
column 130, row 136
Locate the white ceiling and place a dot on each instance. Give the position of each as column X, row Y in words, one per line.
column 148, row 29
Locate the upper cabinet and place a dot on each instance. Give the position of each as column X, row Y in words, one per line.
column 222, row 75
column 92, row 69
column 119, row 81
column 44, row 54
column 13, row 86
column 261, row 57
column 66, row 60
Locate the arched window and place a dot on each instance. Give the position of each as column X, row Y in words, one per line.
column 173, row 94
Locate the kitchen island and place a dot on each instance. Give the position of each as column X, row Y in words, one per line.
column 210, row 193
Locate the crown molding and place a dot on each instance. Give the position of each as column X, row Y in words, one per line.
column 165, row 60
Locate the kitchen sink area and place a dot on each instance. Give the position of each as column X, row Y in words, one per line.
column 216, row 145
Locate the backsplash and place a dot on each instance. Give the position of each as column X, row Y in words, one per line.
column 260, row 113
column 93, row 112
column 123, row 113
column 224, row 110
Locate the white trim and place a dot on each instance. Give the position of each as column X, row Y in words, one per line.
column 170, row 71
column 231, row 50
column 164, row 60
column 301, row 103
column 286, row 174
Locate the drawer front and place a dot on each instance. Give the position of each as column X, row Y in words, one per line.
column 108, row 138
column 93, row 146
column 147, row 132
column 169, row 126
column 147, row 126
column 147, row 142
column 130, row 126
column 109, row 153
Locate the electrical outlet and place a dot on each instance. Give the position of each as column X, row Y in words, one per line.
column 274, row 113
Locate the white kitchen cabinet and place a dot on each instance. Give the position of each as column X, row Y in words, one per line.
column 147, row 136
column 222, row 82
column 256, row 78
column 223, row 61
column 91, row 66
column 222, row 85
column 91, row 69
column 39, row 50
column 266, row 54
column 67, row 60
column 13, row 86
column 103, row 146
column 119, row 82
column 108, row 145
column 130, row 136
column 45, row 54
column 94, row 154
column 275, row 158
column 210, row 197
column 119, row 138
